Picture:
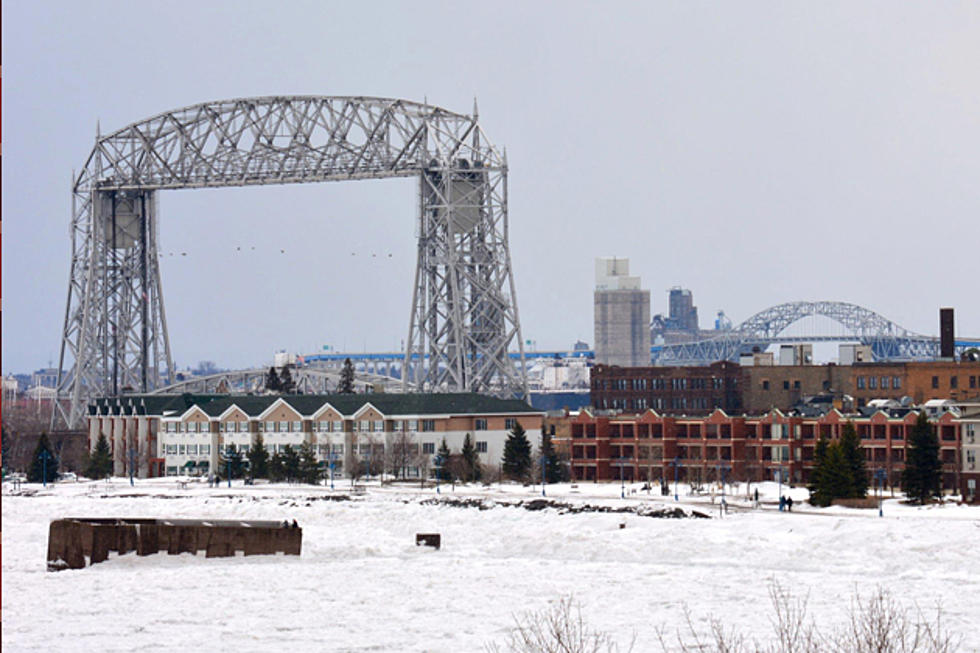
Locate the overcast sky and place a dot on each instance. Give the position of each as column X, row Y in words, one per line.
column 756, row 153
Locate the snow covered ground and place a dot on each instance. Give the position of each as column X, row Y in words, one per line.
column 361, row 584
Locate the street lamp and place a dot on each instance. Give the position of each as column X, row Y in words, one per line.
column 722, row 469
column 676, row 462
column 331, row 469
column 622, row 482
column 880, row 477
column 544, row 460
column 779, row 479
column 45, row 456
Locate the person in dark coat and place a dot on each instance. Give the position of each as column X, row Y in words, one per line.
column 789, row 503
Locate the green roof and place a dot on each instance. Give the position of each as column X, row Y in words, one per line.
column 460, row 403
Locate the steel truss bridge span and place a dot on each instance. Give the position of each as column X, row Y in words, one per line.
column 464, row 315
column 888, row 340
column 308, row 380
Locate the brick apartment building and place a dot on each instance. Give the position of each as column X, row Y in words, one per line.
column 648, row 446
column 758, row 389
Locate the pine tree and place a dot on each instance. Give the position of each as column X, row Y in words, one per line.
column 286, row 383
column 346, row 384
column 277, row 467
column 441, row 461
column 552, row 465
column 854, row 458
column 471, row 460
column 836, row 480
column 258, row 458
column 272, row 383
column 517, row 454
column 99, row 461
column 818, row 494
column 923, row 475
column 40, row 468
column 290, row 463
column 309, row 468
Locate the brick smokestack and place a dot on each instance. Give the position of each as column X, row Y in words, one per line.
column 946, row 333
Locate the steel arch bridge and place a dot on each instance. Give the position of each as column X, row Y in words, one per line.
column 888, row 340
column 464, row 312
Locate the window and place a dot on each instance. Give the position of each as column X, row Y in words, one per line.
column 785, row 385
column 171, row 449
column 182, row 450
column 796, row 384
column 860, row 383
column 363, row 425
column 884, row 383
column 396, row 425
column 765, row 385
column 954, row 382
column 323, row 450
column 283, row 427
column 171, row 427
column 378, row 425
column 338, row 448
column 935, row 382
column 243, row 427
column 270, row 427
column 428, row 447
column 204, row 449
column 297, row 426
column 973, row 381
column 192, row 450
column 428, row 425
column 510, row 423
column 481, row 446
column 872, row 382
column 243, row 448
column 481, row 424
column 323, row 426
column 413, row 425
column 338, row 426
column 172, row 471
column 896, row 382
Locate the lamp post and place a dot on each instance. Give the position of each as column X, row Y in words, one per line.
column 722, row 469
column 544, row 461
column 676, row 462
column 132, row 463
column 622, row 481
column 779, row 479
column 331, row 467
column 880, row 477
column 228, row 465
column 45, row 456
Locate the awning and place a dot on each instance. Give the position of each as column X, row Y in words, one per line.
column 190, row 463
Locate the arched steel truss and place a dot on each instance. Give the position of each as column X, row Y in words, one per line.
column 888, row 340
column 308, row 381
column 464, row 312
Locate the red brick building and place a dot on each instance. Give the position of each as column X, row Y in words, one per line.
column 647, row 446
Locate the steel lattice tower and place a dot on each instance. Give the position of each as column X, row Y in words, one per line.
column 464, row 311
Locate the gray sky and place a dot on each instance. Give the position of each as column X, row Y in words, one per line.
column 756, row 153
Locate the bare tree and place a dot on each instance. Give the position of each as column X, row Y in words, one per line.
column 401, row 454
column 560, row 628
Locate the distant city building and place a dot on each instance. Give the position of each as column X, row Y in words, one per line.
column 683, row 312
column 766, row 386
column 47, row 377
column 622, row 315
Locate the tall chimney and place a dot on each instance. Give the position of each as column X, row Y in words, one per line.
column 946, row 333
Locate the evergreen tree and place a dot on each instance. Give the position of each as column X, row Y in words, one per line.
column 818, row 495
column 286, row 383
column 854, row 459
column 923, row 475
column 277, row 467
column 258, row 458
column 836, row 481
column 471, row 460
column 346, row 384
column 441, row 461
column 40, row 468
column 309, row 468
column 272, row 383
column 552, row 465
column 517, row 454
column 98, row 463
column 290, row 463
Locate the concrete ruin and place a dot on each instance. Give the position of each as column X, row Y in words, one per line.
column 76, row 543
